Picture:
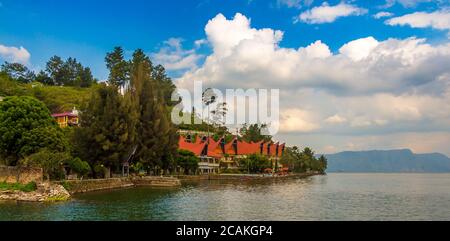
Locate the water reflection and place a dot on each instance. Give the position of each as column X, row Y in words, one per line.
column 332, row 197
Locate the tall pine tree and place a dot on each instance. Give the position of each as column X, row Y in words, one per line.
column 107, row 131
column 119, row 72
column 156, row 135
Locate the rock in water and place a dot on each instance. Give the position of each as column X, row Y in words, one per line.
column 46, row 192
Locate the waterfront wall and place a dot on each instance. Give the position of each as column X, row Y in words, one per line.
column 81, row 186
column 22, row 175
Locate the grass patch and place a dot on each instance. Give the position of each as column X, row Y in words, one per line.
column 66, row 185
column 58, row 198
column 29, row 187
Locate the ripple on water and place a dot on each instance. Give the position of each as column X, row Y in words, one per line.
column 332, row 197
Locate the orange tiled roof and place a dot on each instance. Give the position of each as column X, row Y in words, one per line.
column 214, row 148
column 196, row 148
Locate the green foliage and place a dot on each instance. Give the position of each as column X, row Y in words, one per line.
column 157, row 138
column 303, row 161
column 255, row 163
column 51, row 162
column 254, row 133
column 56, row 98
column 58, row 198
column 57, row 72
column 66, row 73
column 18, row 72
column 78, row 166
column 203, row 126
column 60, row 99
column 107, row 132
column 119, row 69
column 29, row 187
column 25, row 127
column 67, row 185
column 188, row 161
column 10, row 87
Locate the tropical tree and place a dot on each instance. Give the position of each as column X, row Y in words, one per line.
column 253, row 133
column 303, row 161
column 188, row 161
column 255, row 163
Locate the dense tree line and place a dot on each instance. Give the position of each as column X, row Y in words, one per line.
column 57, row 72
column 303, row 160
column 130, row 111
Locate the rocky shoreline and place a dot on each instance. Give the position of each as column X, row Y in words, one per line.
column 45, row 192
column 62, row 191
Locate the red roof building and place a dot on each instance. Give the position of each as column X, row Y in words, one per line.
column 229, row 153
column 66, row 119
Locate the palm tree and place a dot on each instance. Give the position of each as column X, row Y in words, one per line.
column 208, row 98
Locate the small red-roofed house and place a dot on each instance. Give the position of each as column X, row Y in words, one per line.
column 66, row 119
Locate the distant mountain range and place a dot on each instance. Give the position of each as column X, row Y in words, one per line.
column 387, row 161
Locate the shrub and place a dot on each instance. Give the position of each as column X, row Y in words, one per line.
column 255, row 163
column 79, row 166
column 51, row 162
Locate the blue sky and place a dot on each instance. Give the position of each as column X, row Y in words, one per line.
column 353, row 74
column 88, row 29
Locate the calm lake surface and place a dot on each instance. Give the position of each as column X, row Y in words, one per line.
column 337, row 196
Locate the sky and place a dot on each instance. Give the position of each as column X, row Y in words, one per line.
column 353, row 75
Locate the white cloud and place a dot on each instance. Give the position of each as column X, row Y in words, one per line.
column 336, row 119
column 382, row 15
column 198, row 43
column 369, row 87
column 173, row 57
column 14, row 54
column 438, row 20
column 359, row 49
column 316, row 50
column 328, row 14
column 297, row 120
column 404, row 3
column 294, row 3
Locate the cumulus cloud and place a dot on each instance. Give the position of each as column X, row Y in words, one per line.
column 297, row 120
column 368, row 87
column 174, row 57
column 359, row 49
column 14, row 54
column 328, row 14
column 382, row 15
column 438, row 20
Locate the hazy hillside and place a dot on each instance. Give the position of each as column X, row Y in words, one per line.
column 387, row 161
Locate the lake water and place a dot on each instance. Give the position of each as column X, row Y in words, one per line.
column 336, row 196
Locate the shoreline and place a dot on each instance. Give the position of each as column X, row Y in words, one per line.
column 64, row 190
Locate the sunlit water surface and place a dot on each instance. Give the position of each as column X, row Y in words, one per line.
column 336, row 196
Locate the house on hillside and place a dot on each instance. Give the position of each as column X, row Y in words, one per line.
column 67, row 118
